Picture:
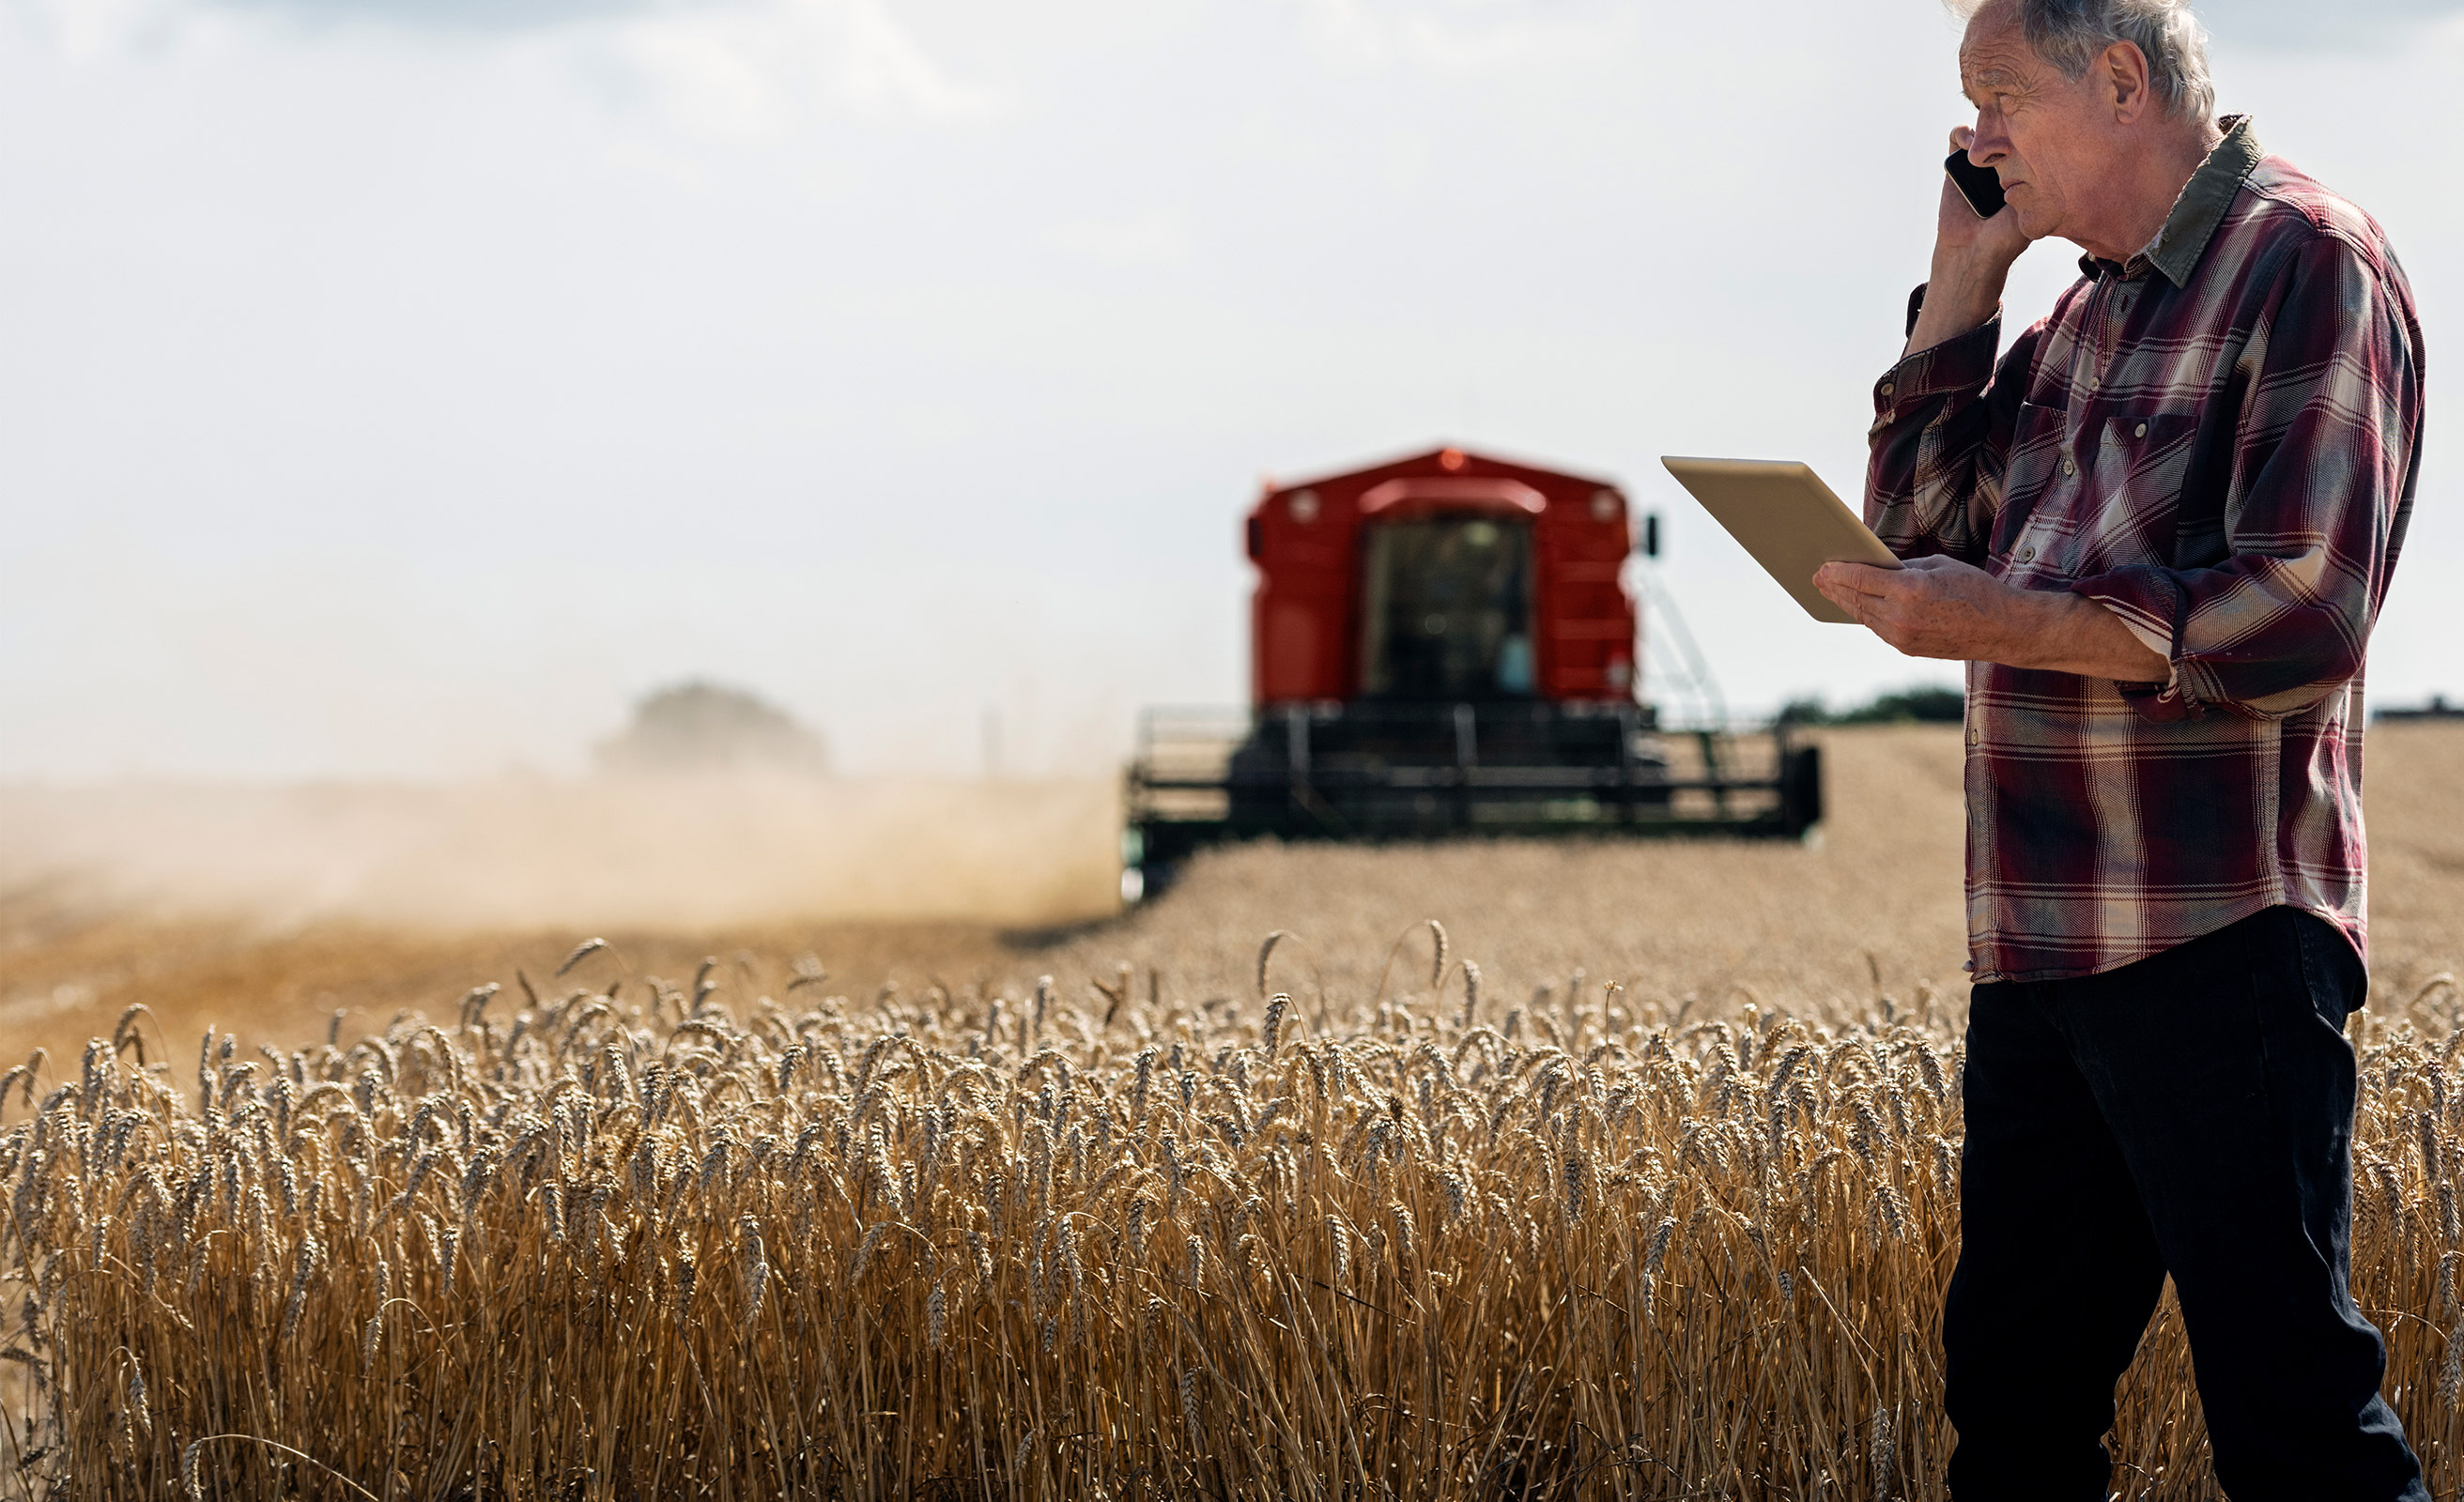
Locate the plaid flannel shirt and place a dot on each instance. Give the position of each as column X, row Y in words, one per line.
column 2216, row 441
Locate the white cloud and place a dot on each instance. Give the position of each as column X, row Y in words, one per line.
column 85, row 29
column 2308, row 25
column 753, row 71
column 880, row 65
column 724, row 68
column 1459, row 37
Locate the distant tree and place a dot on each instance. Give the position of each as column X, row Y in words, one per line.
column 1923, row 704
column 1927, row 704
column 707, row 728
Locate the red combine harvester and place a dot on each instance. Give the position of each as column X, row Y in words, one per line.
column 1445, row 645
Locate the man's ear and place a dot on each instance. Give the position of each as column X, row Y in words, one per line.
column 2125, row 69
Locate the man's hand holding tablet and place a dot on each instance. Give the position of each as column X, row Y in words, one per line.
column 1817, row 550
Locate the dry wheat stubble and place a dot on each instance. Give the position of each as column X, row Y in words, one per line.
column 768, row 1233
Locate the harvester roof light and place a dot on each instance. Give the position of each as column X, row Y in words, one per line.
column 1450, row 459
column 1303, row 506
column 1473, row 492
column 1604, row 505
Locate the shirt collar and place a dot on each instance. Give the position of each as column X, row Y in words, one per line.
column 2212, row 190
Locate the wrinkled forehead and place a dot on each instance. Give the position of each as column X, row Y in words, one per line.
column 1996, row 53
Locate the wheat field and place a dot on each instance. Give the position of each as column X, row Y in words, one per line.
column 1633, row 1175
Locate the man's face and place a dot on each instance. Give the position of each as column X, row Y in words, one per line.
column 2048, row 136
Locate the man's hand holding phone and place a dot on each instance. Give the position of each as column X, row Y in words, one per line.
column 1971, row 260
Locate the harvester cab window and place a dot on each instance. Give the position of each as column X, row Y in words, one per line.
column 1446, row 608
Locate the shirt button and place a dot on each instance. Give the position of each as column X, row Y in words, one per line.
column 2027, row 555
column 1971, row 736
column 1886, row 388
column 2070, row 467
column 2140, row 431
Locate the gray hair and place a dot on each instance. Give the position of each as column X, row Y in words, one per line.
column 2072, row 34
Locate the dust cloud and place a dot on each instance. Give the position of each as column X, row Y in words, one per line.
column 646, row 852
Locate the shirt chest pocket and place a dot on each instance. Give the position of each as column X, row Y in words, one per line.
column 2109, row 497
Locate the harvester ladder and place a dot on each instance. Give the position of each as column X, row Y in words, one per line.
column 1688, row 677
column 1303, row 789
column 1467, row 757
column 1682, row 663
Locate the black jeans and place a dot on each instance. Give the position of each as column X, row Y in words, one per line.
column 2192, row 1113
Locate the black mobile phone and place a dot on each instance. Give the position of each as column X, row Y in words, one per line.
column 1981, row 186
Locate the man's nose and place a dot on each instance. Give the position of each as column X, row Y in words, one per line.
column 1992, row 143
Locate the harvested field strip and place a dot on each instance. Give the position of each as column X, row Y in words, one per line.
column 666, row 1244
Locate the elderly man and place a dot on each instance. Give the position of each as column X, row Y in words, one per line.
column 2158, row 531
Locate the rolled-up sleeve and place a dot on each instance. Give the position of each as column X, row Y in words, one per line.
column 2329, row 439
column 1943, row 419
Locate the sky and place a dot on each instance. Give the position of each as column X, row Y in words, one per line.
column 399, row 388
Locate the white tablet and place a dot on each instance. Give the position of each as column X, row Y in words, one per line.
column 1780, row 511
